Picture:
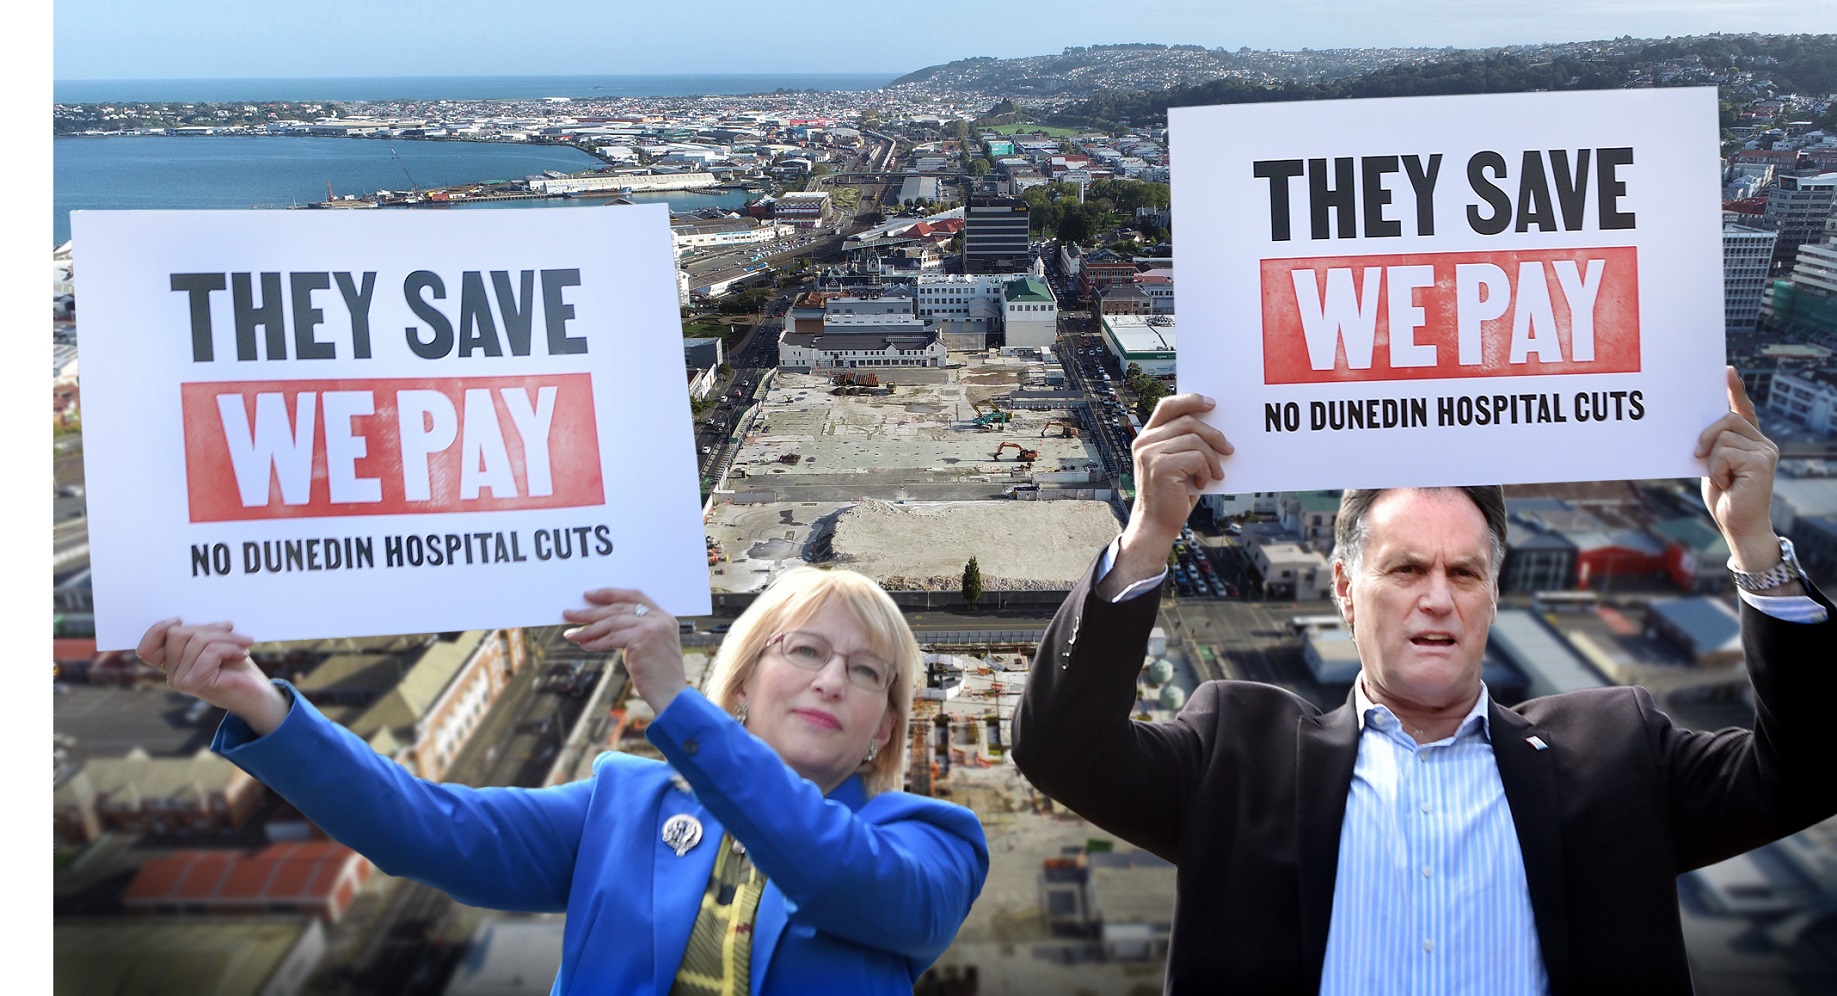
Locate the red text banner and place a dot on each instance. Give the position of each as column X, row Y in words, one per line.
column 1450, row 315
column 297, row 448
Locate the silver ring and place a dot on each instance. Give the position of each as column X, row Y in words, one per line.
column 641, row 610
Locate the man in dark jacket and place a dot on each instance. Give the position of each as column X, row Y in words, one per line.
column 1422, row 838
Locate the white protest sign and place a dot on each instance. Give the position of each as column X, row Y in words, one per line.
column 350, row 423
column 1452, row 290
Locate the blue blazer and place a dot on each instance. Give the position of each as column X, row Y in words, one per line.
column 863, row 894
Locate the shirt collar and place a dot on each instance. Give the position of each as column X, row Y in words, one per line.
column 1481, row 709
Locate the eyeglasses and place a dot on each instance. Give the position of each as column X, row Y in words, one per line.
column 810, row 652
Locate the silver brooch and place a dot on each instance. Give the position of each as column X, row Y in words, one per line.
column 680, row 833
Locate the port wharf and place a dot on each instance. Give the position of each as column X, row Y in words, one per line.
column 550, row 187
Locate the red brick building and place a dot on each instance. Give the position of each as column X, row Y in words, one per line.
column 320, row 878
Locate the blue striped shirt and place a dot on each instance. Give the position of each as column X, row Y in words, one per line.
column 1430, row 895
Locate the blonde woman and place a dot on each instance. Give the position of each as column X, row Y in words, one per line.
column 771, row 853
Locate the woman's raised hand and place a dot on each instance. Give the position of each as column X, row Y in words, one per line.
column 211, row 661
column 624, row 619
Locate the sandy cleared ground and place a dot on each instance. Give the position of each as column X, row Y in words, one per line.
column 1018, row 545
column 927, row 430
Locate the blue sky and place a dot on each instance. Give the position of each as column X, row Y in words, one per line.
column 154, row 39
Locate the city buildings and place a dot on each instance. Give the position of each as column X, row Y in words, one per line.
column 1808, row 397
column 996, row 235
column 1799, row 208
column 139, row 793
column 1030, row 316
column 1144, row 340
column 1747, row 253
column 806, row 209
column 1804, row 304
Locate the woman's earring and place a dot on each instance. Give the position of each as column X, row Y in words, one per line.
column 740, row 714
column 873, row 751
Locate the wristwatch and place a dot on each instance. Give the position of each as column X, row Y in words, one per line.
column 1784, row 572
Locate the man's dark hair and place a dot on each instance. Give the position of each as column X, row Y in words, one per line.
column 1352, row 528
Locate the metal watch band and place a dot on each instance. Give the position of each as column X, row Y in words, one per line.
column 1784, row 572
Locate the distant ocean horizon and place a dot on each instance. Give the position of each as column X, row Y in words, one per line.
column 384, row 88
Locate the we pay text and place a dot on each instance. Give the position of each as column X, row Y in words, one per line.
column 258, row 450
column 1437, row 315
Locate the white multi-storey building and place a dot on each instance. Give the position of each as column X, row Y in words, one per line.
column 1808, row 397
column 1746, row 255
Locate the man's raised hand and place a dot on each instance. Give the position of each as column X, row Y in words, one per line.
column 1176, row 457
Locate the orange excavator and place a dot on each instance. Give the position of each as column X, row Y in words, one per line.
column 1068, row 430
column 1025, row 455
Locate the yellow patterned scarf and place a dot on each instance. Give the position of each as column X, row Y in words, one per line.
column 721, row 943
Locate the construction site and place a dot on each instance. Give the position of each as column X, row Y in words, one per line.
column 904, row 475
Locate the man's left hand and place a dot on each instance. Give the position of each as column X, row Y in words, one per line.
column 1738, row 487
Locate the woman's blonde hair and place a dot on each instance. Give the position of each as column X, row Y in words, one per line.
column 791, row 601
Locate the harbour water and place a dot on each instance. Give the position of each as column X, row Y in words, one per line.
column 456, row 87
column 161, row 172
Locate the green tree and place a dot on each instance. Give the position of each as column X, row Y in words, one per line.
column 972, row 581
column 980, row 167
column 1150, row 395
column 1076, row 225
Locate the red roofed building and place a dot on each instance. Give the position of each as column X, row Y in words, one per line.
column 318, row 877
column 1755, row 206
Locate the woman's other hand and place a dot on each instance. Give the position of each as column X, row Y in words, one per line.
column 211, row 662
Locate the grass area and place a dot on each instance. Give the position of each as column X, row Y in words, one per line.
column 1035, row 129
column 728, row 334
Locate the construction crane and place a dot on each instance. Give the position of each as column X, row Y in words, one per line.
column 413, row 186
column 1024, row 456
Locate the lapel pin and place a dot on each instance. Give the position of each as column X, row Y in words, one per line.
column 680, row 833
column 1537, row 742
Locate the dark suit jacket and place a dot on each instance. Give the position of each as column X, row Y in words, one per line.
column 1246, row 789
